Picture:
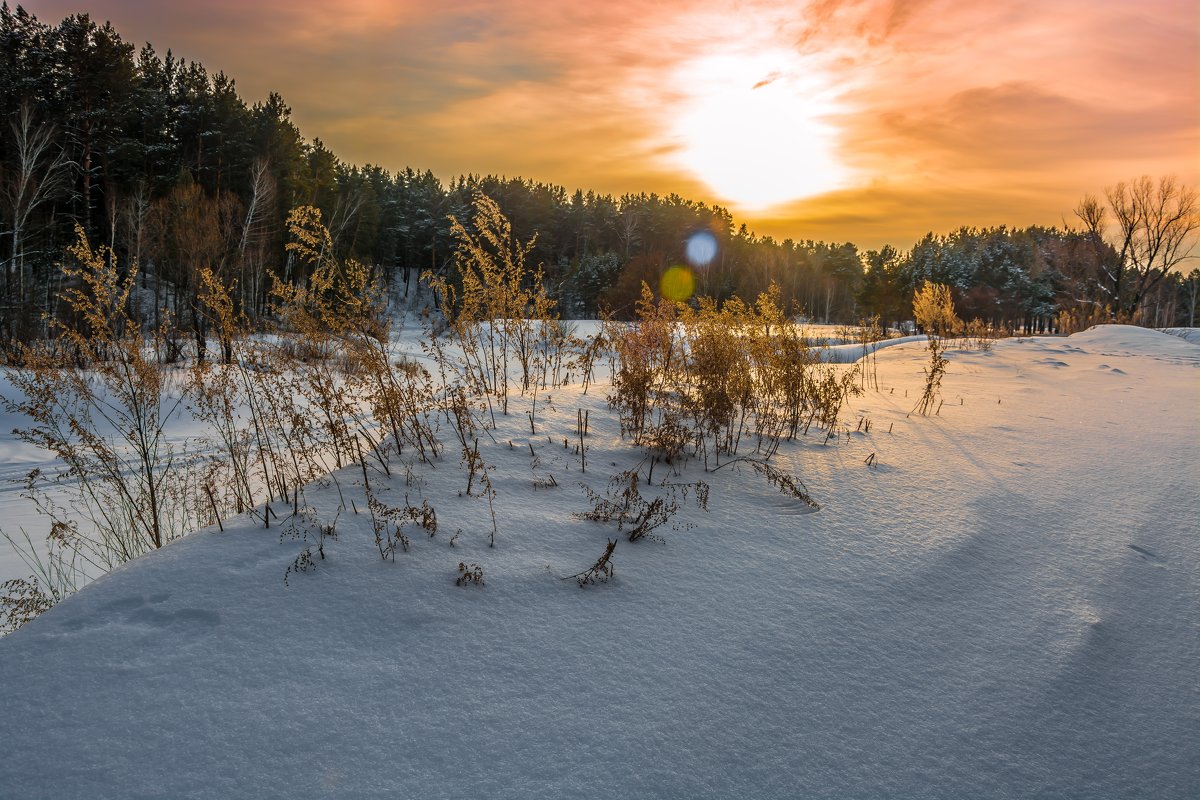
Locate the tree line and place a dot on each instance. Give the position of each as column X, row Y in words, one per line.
column 171, row 169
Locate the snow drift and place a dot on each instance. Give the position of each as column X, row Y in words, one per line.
column 1007, row 605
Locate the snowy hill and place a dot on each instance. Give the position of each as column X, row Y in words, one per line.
column 1005, row 605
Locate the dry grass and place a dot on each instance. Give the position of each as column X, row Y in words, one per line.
column 326, row 389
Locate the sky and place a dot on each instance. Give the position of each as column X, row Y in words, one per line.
column 869, row 121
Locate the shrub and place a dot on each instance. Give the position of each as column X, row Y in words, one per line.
column 499, row 310
column 933, row 377
column 22, row 600
column 635, row 515
column 105, row 422
column 933, row 309
column 469, row 574
column 599, row 572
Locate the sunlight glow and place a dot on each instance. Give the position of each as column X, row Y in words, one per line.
column 755, row 128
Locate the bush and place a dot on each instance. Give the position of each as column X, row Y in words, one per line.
column 933, row 309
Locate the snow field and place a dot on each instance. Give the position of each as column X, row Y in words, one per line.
column 1008, row 605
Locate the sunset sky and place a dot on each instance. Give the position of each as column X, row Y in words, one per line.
column 871, row 121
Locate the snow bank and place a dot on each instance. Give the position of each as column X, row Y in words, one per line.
column 1007, row 606
column 1134, row 341
column 1188, row 334
column 849, row 353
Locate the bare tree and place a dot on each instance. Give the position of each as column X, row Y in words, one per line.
column 38, row 174
column 256, row 233
column 629, row 231
column 1155, row 226
column 135, row 212
column 345, row 213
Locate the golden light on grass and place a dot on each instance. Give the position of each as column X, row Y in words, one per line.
column 755, row 128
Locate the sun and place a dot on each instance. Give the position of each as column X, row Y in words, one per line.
column 755, row 129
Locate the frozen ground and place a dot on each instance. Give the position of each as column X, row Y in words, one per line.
column 1008, row 605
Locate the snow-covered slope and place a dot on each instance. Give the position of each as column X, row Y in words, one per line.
column 1008, row 605
column 1190, row 334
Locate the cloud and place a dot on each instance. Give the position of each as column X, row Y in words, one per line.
column 873, row 215
column 947, row 112
column 1016, row 127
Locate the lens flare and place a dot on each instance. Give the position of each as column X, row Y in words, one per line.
column 701, row 249
column 677, row 284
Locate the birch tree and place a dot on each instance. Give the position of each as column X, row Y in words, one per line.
column 38, row 174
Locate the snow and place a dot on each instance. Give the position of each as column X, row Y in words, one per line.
column 849, row 353
column 1190, row 334
column 1007, row 606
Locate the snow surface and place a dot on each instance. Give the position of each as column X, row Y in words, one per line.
column 1191, row 334
column 1008, row 605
